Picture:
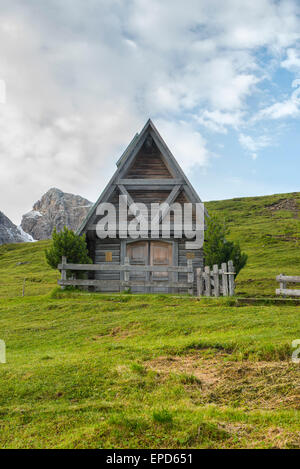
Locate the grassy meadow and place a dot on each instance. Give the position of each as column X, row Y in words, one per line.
column 155, row 371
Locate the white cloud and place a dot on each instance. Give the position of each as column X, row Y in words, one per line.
column 186, row 144
column 219, row 121
column 253, row 145
column 288, row 108
column 83, row 77
column 292, row 62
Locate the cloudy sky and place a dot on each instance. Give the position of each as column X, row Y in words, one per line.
column 219, row 78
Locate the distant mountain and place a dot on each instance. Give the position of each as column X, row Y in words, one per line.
column 55, row 209
column 10, row 233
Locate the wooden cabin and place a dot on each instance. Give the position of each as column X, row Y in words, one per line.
column 147, row 172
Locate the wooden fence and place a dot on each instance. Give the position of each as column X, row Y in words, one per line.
column 127, row 283
column 217, row 281
column 283, row 280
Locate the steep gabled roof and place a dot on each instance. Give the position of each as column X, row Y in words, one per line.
column 127, row 159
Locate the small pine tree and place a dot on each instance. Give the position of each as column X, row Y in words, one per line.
column 68, row 244
column 217, row 249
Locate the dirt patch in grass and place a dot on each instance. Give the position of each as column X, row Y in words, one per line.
column 131, row 330
column 121, row 332
column 253, row 385
column 284, row 204
column 272, row 437
column 281, row 439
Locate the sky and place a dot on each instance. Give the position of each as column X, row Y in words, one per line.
column 78, row 79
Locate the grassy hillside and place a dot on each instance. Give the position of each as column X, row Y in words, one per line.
column 140, row 371
column 268, row 229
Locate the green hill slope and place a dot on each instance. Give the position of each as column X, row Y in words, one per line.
column 268, row 229
column 25, row 261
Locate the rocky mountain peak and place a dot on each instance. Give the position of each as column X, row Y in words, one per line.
column 55, row 209
column 10, row 233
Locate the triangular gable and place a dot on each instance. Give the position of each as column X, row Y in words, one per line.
column 125, row 163
column 148, row 163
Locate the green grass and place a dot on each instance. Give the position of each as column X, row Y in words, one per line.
column 113, row 371
column 151, row 371
column 271, row 238
column 40, row 279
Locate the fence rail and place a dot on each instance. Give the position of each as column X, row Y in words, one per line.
column 126, row 268
column 283, row 281
column 216, row 282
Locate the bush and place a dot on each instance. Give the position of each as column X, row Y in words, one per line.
column 68, row 244
column 217, row 249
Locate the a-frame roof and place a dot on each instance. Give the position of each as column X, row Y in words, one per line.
column 126, row 160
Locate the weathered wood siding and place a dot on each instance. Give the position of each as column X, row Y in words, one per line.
column 182, row 199
column 149, row 164
column 114, row 246
column 104, row 246
column 148, row 197
column 144, row 196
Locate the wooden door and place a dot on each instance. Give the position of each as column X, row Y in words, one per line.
column 161, row 253
column 138, row 253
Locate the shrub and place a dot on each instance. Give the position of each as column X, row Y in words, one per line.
column 218, row 249
column 68, row 244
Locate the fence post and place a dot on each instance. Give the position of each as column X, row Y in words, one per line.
column 207, row 281
column 224, row 279
column 282, row 284
column 199, row 282
column 216, row 280
column 231, row 278
column 190, row 276
column 126, row 274
column 174, row 277
column 63, row 271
